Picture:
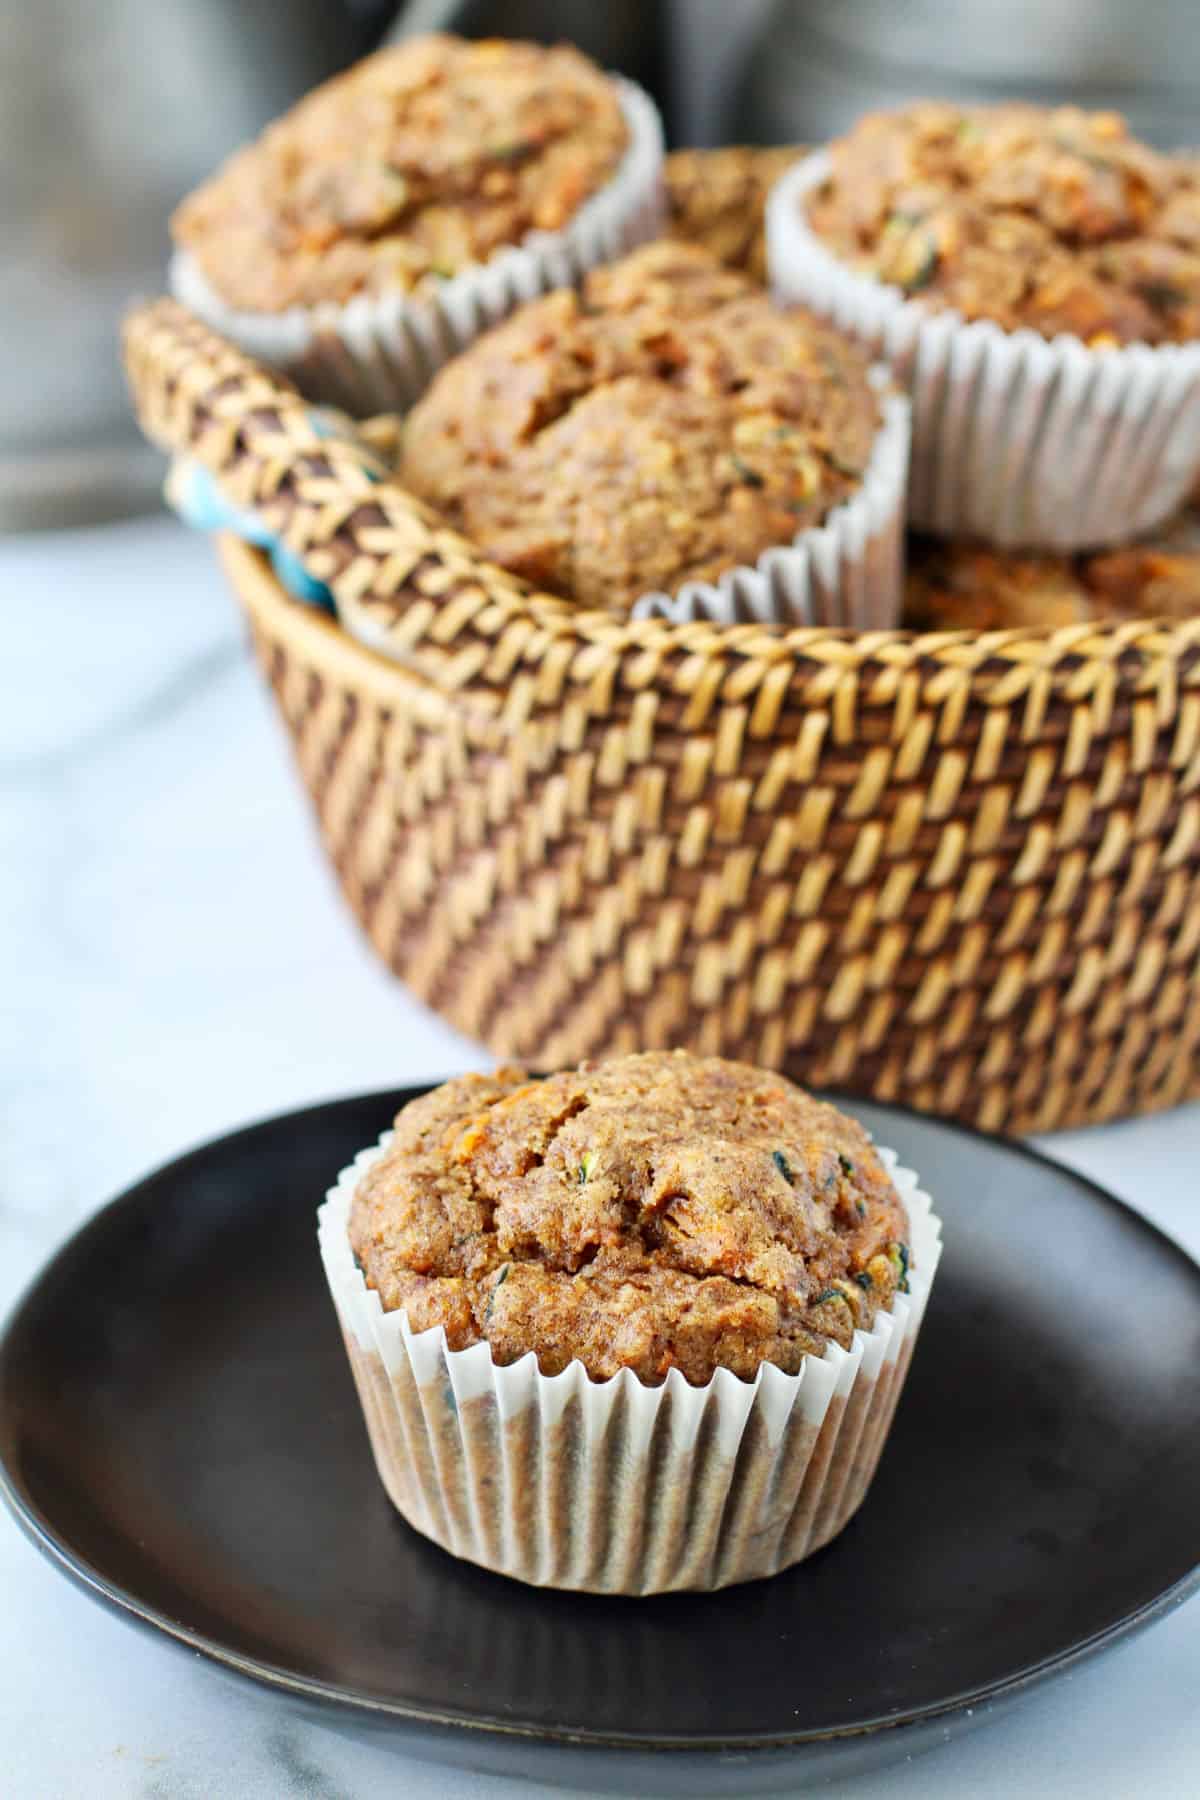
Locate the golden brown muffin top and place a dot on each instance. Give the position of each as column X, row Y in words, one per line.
column 661, row 425
column 958, row 587
column 1050, row 218
column 716, row 198
column 417, row 162
column 657, row 1211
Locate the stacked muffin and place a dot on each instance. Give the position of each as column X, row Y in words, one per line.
column 415, row 199
column 1032, row 276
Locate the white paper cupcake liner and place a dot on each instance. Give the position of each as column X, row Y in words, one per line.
column 1017, row 440
column 377, row 353
column 615, row 1487
column 848, row 572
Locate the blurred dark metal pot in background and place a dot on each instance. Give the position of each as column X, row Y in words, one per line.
column 618, row 34
column 816, row 66
column 108, row 113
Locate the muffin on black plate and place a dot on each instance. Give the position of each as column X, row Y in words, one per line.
column 638, row 1326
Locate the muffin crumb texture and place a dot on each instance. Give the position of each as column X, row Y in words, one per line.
column 657, row 1211
column 418, row 162
column 662, row 425
column 963, row 586
column 1051, row 218
column 716, row 199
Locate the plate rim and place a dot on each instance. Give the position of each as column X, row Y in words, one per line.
column 351, row 1702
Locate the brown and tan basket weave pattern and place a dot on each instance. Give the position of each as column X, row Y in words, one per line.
column 960, row 870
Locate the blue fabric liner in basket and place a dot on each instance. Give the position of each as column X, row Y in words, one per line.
column 192, row 492
column 195, row 496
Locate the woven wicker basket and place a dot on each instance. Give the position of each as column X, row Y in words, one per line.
column 956, row 870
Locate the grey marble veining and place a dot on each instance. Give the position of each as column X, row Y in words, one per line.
column 174, row 961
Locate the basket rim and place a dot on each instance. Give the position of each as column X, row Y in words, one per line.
column 821, row 681
column 409, row 590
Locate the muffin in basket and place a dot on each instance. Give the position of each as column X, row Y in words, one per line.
column 635, row 1327
column 663, row 439
column 1033, row 274
column 407, row 203
column 717, row 199
column 961, row 587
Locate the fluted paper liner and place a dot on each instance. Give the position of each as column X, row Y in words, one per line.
column 1017, row 439
column 848, row 571
column 612, row 1486
column 378, row 353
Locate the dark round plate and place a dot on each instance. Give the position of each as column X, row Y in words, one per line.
column 179, row 1432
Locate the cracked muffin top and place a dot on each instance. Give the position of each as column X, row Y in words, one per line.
column 654, row 1212
column 422, row 159
column 660, row 425
column 1050, row 218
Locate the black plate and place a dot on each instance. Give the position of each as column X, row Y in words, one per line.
column 179, row 1432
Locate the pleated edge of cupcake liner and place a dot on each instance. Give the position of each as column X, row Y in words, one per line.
column 1020, row 440
column 448, row 1380
column 847, row 572
column 377, row 353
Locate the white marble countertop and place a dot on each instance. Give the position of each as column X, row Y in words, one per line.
column 176, row 961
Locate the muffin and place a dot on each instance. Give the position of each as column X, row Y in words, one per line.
column 965, row 587
column 1057, row 221
column 658, row 433
column 408, row 202
column 717, row 199
column 1033, row 276
column 635, row 1327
